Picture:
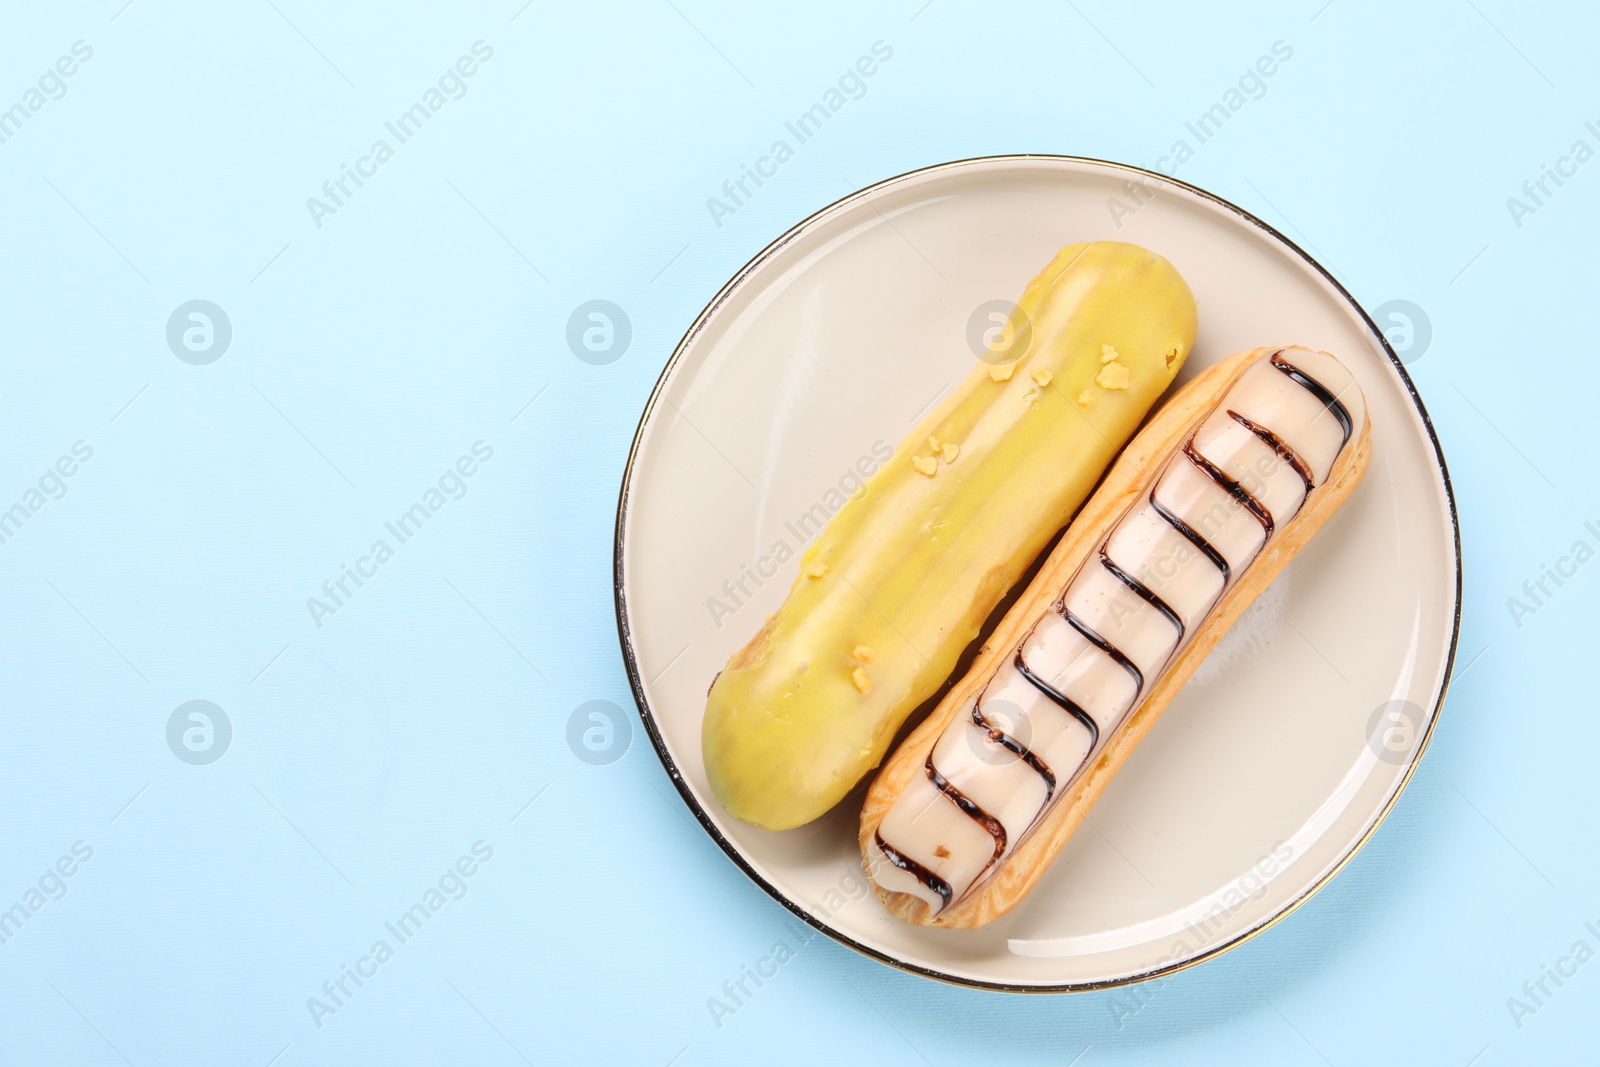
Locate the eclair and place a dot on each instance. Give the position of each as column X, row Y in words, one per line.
column 1205, row 506
column 902, row 578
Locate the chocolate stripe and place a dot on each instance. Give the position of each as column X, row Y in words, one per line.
column 1107, row 647
column 1277, row 444
column 915, row 869
column 1194, row 537
column 1066, row 703
column 1015, row 747
column 1318, row 390
column 1237, row 491
column 970, row 810
column 1142, row 591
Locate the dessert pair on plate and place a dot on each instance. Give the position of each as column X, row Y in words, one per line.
column 1199, row 511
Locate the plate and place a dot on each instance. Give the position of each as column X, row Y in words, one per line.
column 1279, row 758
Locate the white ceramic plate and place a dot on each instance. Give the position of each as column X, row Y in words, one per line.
column 1279, row 758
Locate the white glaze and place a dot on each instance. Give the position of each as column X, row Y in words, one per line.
column 929, row 827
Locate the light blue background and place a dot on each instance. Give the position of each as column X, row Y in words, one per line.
column 368, row 354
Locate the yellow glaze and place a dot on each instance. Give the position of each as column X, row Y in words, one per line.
column 915, row 564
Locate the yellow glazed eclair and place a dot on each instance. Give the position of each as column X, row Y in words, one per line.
column 1211, row 499
column 901, row 579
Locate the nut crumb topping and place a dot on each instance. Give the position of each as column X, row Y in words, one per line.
column 863, row 654
column 1113, row 375
column 1002, row 372
column 933, row 444
column 863, row 683
column 942, row 852
column 1108, row 353
column 1085, row 398
column 950, row 452
column 925, row 465
column 816, row 570
column 1042, row 377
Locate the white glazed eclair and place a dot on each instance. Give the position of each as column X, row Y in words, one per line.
column 1206, row 505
